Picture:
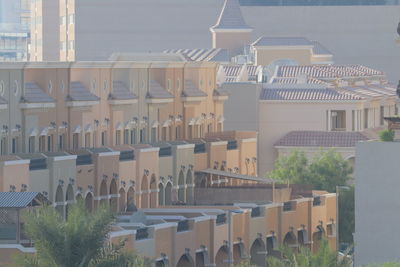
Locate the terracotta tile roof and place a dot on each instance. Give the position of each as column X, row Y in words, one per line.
column 231, row 17
column 320, row 139
column 157, row 91
column 282, row 41
column 306, row 94
column 35, row 94
column 190, row 90
column 78, row 92
column 121, row 92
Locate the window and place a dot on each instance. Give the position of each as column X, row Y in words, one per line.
column 338, row 120
column 75, row 141
column 31, row 144
column 365, row 118
column 382, row 115
column 118, row 137
column 201, row 130
column 353, row 120
column 178, row 84
column 50, row 143
column 190, row 132
column 133, row 137
column 178, row 132
column 63, row 46
column 14, row 145
column 169, row 85
column 164, row 133
column 209, row 128
column 63, row 20
column 87, row 139
column 61, row 140
column 154, row 134
column 104, row 138
column 71, row 19
column 142, row 135
column 71, row 45
column 126, row 137
column 95, row 139
column 4, row 145
column 42, row 143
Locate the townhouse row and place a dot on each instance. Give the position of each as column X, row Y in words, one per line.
column 48, row 107
column 175, row 236
column 130, row 177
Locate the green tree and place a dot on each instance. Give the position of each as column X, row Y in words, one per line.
column 292, row 168
column 80, row 241
column 328, row 170
column 386, row 135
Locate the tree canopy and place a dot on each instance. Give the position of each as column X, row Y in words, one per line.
column 325, row 171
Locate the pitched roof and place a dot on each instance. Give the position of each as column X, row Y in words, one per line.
column 232, row 70
column 21, row 199
column 321, row 139
column 296, row 80
column 78, row 92
column 282, row 41
column 121, row 92
column 306, row 94
column 157, row 91
column 190, row 90
column 35, row 94
column 231, row 17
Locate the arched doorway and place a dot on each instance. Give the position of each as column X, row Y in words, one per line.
column 60, row 201
column 202, row 258
column 317, row 237
column 89, row 201
column 113, row 196
column 181, row 187
column 189, row 187
column 302, row 237
column 200, row 181
column 221, row 258
column 272, row 246
column 122, row 199
column 145, row 193
column 290, row 240
column 130, row 200
column 69, row 198
column 238, row 252
column 168, row 194
column 153, row 192
column 258, row 253
column 79, row 197
column 103, row 193
column 185, row 261
column 161, row 194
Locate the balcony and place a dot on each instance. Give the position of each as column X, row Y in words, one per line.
column 256, row 212
column 288, row 206
column 199, row 148
column 126, row 155
column 232, row 144
column 165, row 151
column 221, row 219
column 85, row 159
column 317, row 201
column 183, row 226
column 142, row 233
column 37, row 164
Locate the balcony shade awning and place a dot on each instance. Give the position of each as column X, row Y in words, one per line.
column 35, row 97
column 191, row 92
column 235, row 176
column 20, row 200
column 121, row 95
column 157, row 94
column 79, row 95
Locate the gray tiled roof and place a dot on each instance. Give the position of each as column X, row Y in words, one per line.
column 282, row 41
column 319, row 49
column 190, row 90
column 78, row 92
column 21, row 199
column 157, row 91
column 220, row 92
column 231, row 17
column 197, row 54
column 121, row 92
column 321, row 139
column 306, row 94
column 35, row 94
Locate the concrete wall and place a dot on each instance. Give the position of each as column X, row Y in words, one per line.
column 376, row 202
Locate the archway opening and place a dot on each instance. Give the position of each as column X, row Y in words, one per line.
column 290, row 240
column 122, row 199
column 145, row 193
column 103, row 193
column 181, row 188
column 69, row 198
column 168, row 194
column 258, row 253
column 238, row 252
column 153, row 192
column 272, row 246
column 317, row 237
column 89, row 201
column 185, row 261
column 189, row 187
column 130, row 200
column 221, row 258
column 161, row 194
column 60, row 201
column 113, row 196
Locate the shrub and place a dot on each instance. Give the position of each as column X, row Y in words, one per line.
column 386, row 135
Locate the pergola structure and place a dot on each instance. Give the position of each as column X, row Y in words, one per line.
column 11, row 205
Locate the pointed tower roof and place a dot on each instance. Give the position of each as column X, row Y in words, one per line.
column 231, row 18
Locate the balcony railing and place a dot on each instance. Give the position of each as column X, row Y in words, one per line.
column 199, row 148
column 317, row 201
column 183, row 226
column 126, row 155
column 221, row 219
column 165, row 151
column 142, row 233
column 232, row 144
column 84, row 159
column 256, row 212
column 287, row 206
column 37, row 164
